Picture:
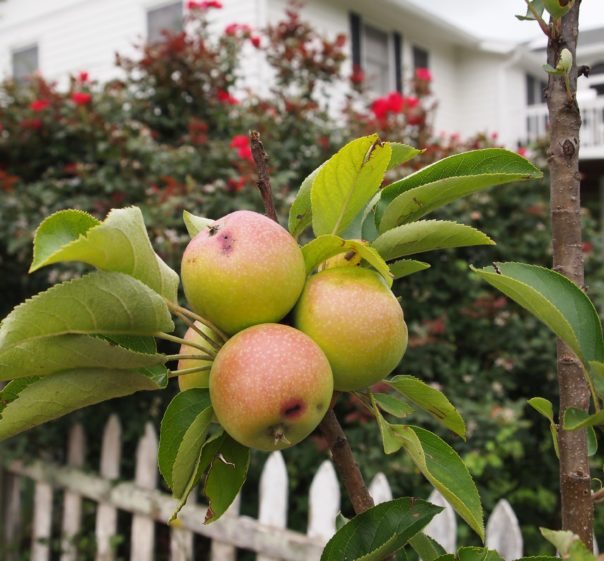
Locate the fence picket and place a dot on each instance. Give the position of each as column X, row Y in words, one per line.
column 72, row 503
column 142, row 536
column 221, row 551
column 443, row 527
column 42, row 522
column 106, row 515
column 11, row 515
column 379, row 489
column 323, row 503
column 503, row 532
column 273, row 495
column 181, row 540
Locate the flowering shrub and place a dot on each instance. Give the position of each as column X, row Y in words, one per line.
column 172, row 134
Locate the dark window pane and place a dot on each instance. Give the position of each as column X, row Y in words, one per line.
column 355, row 34
column 421, row 58
column 25, row 62
column 530, row 90
column 376, row 59
column 164, row 18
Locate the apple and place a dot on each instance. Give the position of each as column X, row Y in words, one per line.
column 270, row 386
column 195, row 379
column 242, row 270
column 355, row 318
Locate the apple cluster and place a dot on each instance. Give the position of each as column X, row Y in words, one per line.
column 293, row 339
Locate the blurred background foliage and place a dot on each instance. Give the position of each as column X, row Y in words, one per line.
column 171, row 134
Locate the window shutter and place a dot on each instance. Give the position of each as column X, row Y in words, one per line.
column 398, row 61
column 355, row 36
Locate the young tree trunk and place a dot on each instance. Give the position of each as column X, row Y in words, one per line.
column 565, row 121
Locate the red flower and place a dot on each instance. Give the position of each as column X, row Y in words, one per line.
column 81, row 98
column 423, row 74
column 357, row 76
column 83, row 77
column 33, row 124
column 255, row 40
column 235, row 28
column 411, row 102
column 240, row 141
column 245, row 153
column 39, row 105
column 236, row 185
column 395, row 102
column 225, row 97
column 522, row 151
column 380, row 107
column 193, row 5
column 587, row 247
column 70, row 168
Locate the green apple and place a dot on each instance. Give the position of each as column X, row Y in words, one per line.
column 242, row 270
column 270, row 386
column 195, row 379
column 353, row 316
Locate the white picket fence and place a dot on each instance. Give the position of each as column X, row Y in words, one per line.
column 267, row 535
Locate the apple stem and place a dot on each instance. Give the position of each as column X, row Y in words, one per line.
column 193, row 357
column 345, row 464
column 180, row 340
column 264, row 182
column 194, row 327
column 174, row 373
column 178, row 310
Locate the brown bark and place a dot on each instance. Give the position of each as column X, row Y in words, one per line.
column 563, row 159
column 345, row 464
column 264, row 180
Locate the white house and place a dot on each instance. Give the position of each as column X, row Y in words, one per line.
column 480, row 86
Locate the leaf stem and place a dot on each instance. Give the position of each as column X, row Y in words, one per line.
column 193, row 357
column 592, row 389
column 176, row 309
column 181, row 341
column 175, row 373
column 194, row 327
column 542, row 24
column 264, row 180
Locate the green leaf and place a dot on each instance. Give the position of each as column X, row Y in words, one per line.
column 478, row 554
column 380, row 531
column 346, row 183
column 427, row 548
column 596, row 371
column 401, row 153
column 575, row 419
column 562, row 540
column 391, row 442
column 98, row 303
column 393, row 404
column 539, row 558
column 300, row 213
column 208, row 452
column 430, row 400
column 543, row 406
column 554, row 300
column 56, row 395
column 448, row 179
column 322, row 248
column 195, row 224
column 592, row 442
column 186, row 462
column 442, row 466
column 405, row 267
column 184, row 408
column 47, row 355
column 341, row 520
column 120, row 244
column 537, row 6
column 226, row 475
column 427, row 235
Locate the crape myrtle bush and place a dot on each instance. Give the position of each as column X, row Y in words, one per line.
column 172, row 135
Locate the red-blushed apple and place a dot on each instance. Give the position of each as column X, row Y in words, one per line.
column 353, row 316
column 270, row 386
column 242, row 270
column 195, row 379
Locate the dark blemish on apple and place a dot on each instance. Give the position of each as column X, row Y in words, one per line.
column 319, row 407
column 293, row 409
column 225, row 241
column 213, row 229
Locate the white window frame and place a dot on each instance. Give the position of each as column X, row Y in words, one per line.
column 23, row 48
column 151, row 7
column 391, row 85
